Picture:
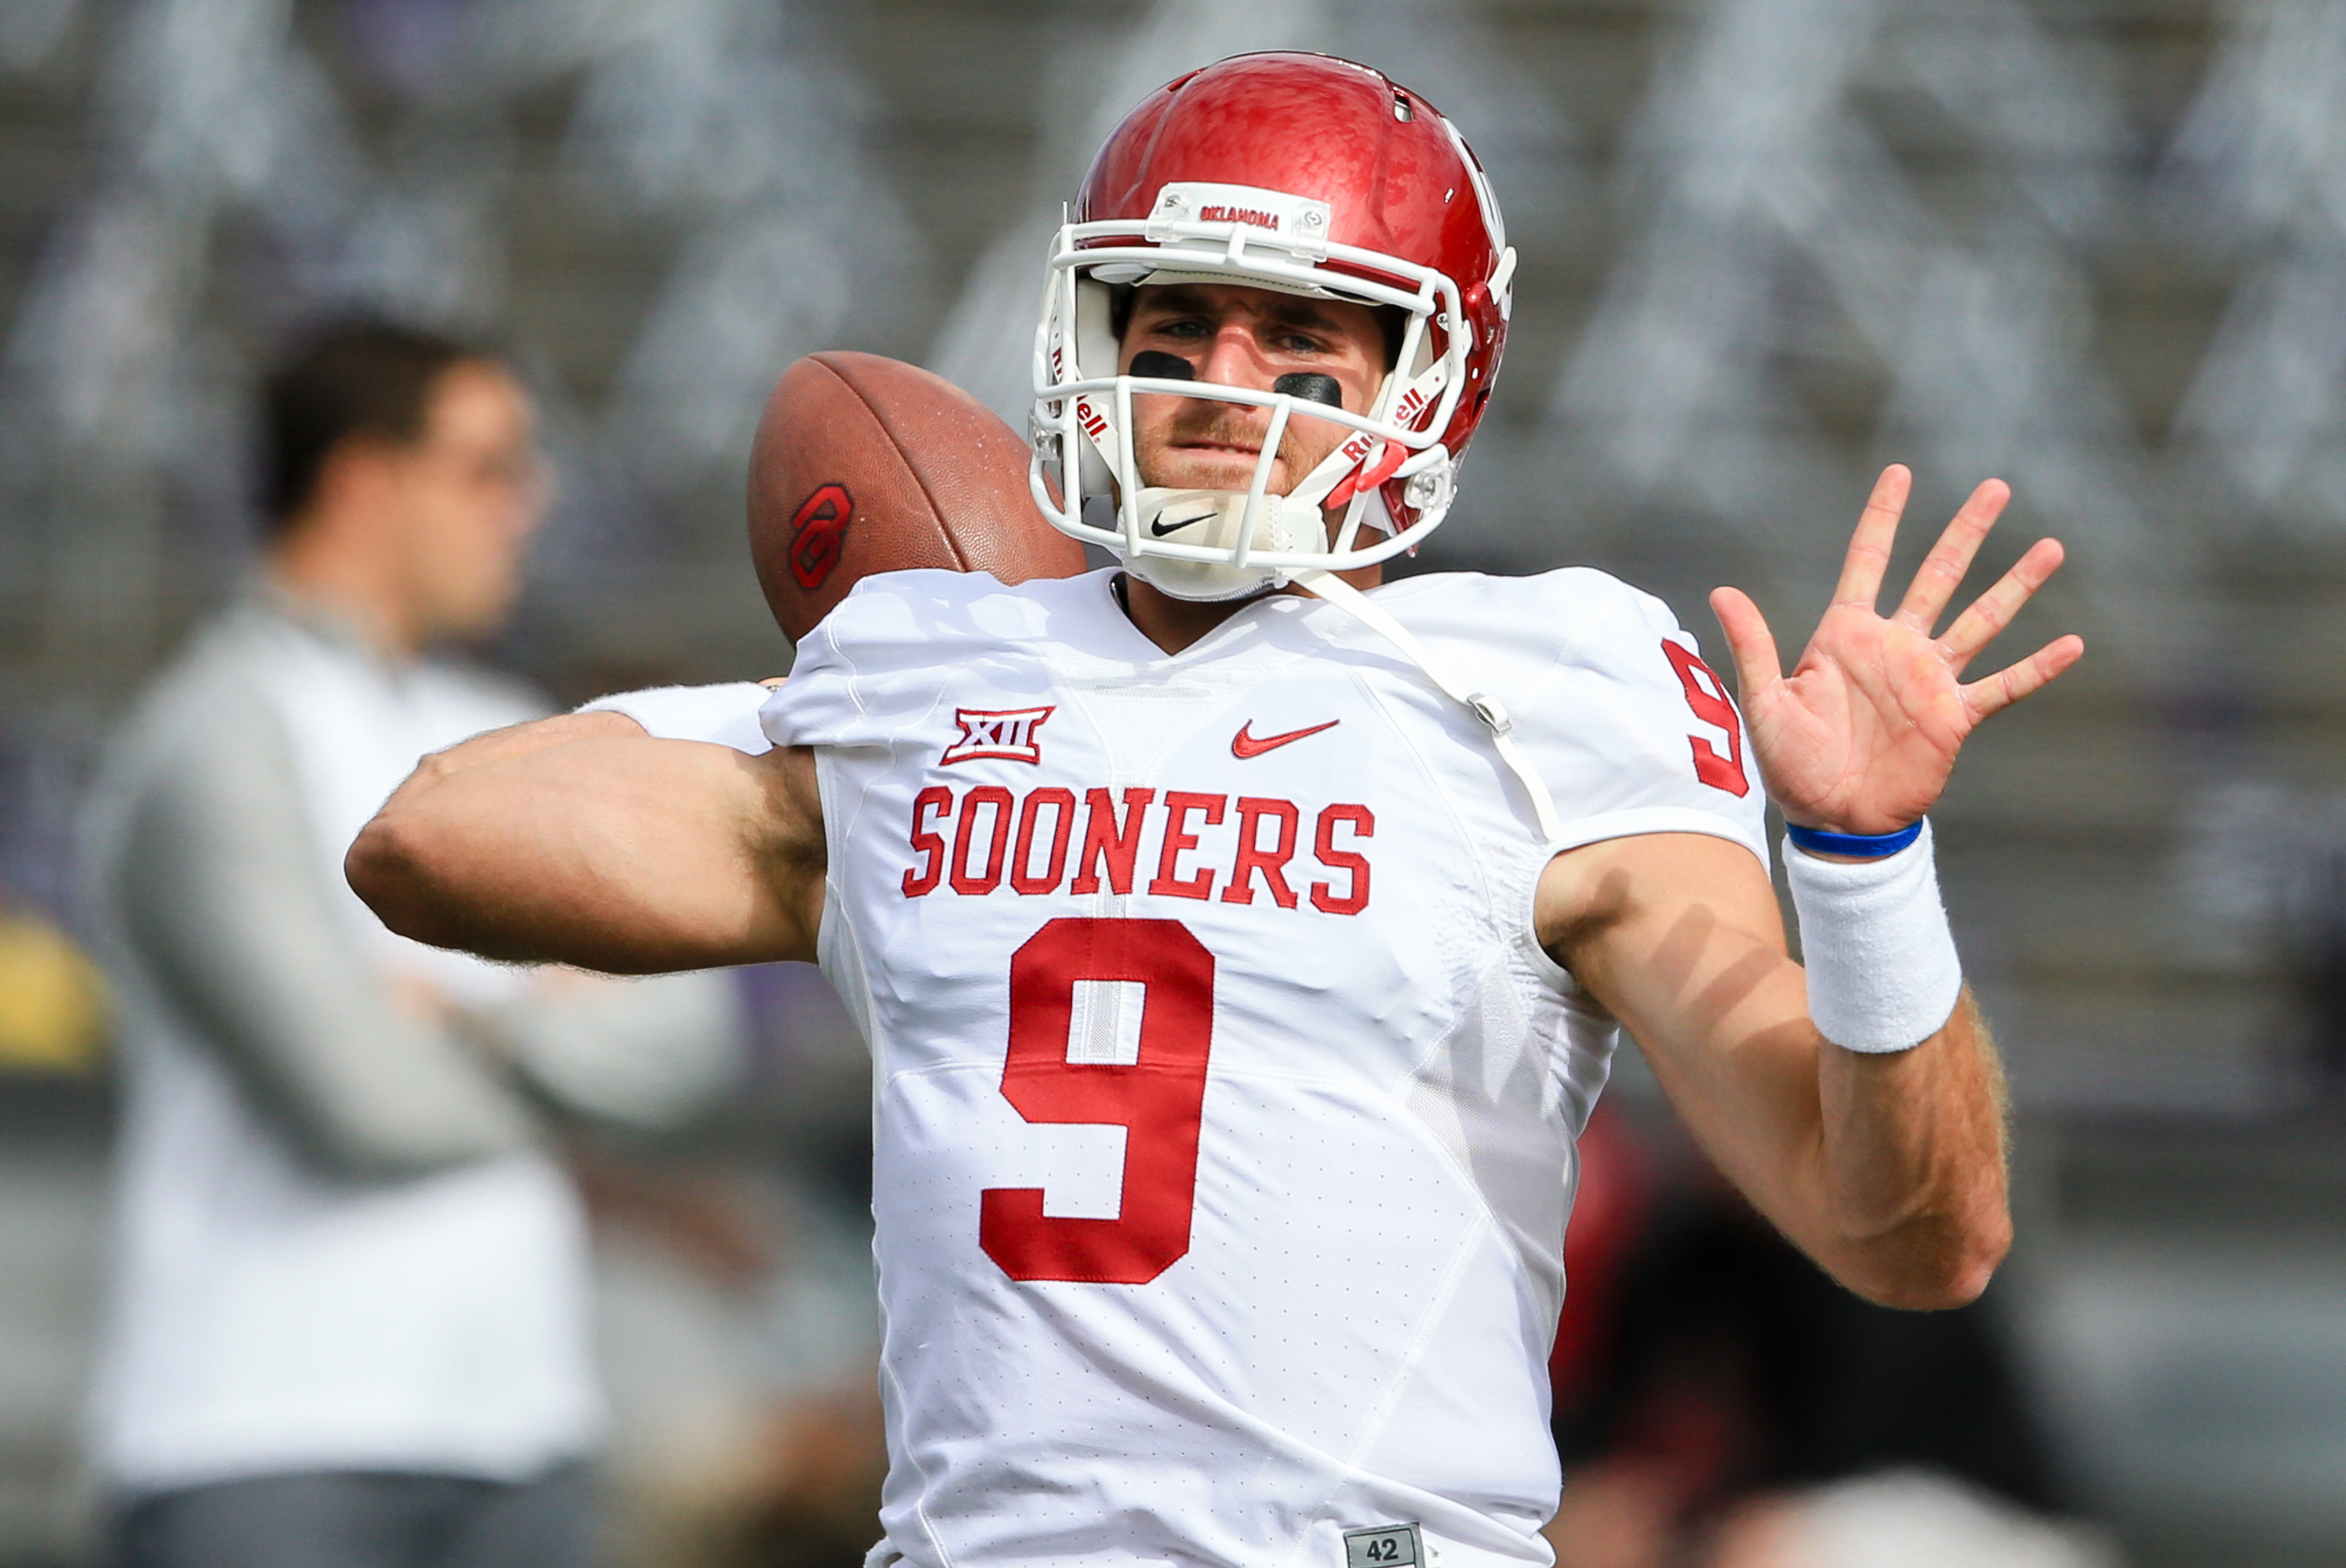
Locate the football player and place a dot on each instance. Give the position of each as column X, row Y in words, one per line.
column 1240, row 950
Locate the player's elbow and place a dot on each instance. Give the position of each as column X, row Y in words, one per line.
column 1938, row 1264
column 391, row 867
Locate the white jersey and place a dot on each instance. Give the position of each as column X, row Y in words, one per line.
column 1225, row 1100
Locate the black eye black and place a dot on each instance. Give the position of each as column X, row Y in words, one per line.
column 1164, row 366
column 1312, row 386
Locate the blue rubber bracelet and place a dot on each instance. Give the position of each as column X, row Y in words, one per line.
column 1865, row 845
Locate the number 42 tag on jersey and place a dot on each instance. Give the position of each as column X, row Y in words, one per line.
column 1385, row 1546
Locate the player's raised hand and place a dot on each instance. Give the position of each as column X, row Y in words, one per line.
column 1860, row 737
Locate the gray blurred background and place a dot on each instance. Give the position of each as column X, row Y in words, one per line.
column 2095, row 247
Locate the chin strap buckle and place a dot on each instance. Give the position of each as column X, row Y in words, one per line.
column 1491, row 711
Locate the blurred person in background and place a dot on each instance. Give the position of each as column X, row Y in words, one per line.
column 349, row 1317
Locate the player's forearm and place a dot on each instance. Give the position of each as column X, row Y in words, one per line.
column 516, row 740
column 630, row 856
column 409, row 864
column 1887, row 1170
column 1910, row 1167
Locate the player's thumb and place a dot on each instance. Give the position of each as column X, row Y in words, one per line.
column 1748, row 641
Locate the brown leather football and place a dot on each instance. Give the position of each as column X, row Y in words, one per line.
column 867, row 464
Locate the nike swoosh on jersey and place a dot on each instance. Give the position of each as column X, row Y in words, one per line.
column 1244, row 744
column 1161, row 529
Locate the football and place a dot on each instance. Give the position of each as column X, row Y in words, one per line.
column 865, row 463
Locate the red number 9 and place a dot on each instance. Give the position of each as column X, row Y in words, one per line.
column 1710, row 705
column 1157, row 1098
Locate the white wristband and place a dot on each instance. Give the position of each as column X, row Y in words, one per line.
column 1882, row 970
column 726, row 715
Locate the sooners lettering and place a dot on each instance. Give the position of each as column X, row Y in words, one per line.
column 1062, row 806
column 1355, row 897
column 1106, row 843
column 963, row 880
column 1178, row 805
column 975, row 840
column 1254, row 859
column 1008, row 735
column 933, row 801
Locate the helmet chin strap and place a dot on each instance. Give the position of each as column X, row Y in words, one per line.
column 1494, row 715
column 1218, row 518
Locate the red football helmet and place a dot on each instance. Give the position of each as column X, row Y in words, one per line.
column 1301, row 173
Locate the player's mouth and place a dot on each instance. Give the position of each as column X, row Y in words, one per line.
column 1208, row 463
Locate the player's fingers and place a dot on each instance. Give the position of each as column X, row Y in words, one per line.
column 1877, row 530
column 1749, row 640
column 1942, row 572
column 1992, row 611
column 1994, row 692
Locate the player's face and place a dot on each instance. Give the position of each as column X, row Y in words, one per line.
column 470, row 492
column 1240, row 337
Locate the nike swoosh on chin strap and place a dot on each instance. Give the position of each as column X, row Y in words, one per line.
column 1244, row 744
column 1161, row 529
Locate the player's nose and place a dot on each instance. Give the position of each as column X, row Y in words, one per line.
column 1233, row 358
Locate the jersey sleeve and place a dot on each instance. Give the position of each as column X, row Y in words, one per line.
column 724, row 715
column 1632, row 730
column 878, row 664
column 820, row 703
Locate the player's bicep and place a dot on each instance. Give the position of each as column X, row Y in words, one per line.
column 1680, row 937
column 629, row 855
column 1676, row 929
